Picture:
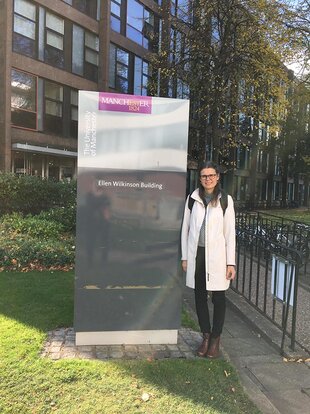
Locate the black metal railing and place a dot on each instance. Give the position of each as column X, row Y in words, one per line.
column 270, row 254
column 289, row 233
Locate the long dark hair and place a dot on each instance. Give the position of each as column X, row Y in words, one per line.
column 217, row 188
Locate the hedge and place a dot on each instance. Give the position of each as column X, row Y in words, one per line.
column 37, row 223
column 31, row 195
column 30, row 253
column 34, row 242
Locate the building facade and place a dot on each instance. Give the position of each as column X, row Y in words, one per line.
column 52, row 49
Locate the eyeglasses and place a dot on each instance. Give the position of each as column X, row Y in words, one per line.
column 208, row 177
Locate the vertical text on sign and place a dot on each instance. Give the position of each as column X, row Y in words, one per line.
column 90, row 134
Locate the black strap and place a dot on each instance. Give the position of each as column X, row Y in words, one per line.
column 223, row 201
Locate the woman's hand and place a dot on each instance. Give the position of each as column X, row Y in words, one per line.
column 184, row 265
column 230, row 272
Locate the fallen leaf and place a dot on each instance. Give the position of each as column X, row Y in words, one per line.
column 233, row 389
column 145, row 396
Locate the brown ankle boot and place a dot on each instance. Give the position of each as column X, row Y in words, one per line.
column 203, row 349
column 214, row 347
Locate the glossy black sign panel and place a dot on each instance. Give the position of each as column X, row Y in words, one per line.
column 127, row 265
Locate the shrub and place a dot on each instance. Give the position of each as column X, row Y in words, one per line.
column 66, row 216
column 38, row 219
column 28, row 252
column 29, row 194
column 33, row 226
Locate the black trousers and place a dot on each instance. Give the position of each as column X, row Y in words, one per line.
column 201, row 299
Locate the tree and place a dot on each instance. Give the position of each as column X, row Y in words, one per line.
column 230, row 55
column 295, row 140
column 225, row 43
column 298, row 24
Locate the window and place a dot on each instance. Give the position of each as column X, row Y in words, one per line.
column 116, row 15
column 301, row 194
column 119, row 69
column 53, row 94
column 177, row 88
column 290, row 191
column 42, row 105
column 74, row 113
column 262, row 161
column 19, row 163
column 85, row 53
column 25, row 32
column 40, row 34
column 179, row 49
column 277, row 165
column 182, row 91
column 215, row 30
column 243, row 155
column 23, row 99
column 142, row 74
column 263, row 132
column 89, row 7
column 241, row 188
column 182, row 10
column 140, row 24
column 78, row 50
column 91, row 56
column 262, row 189
column 54, row 40
column 246, row 124
column 128, row 73
column 242, row 92
column 277, row 190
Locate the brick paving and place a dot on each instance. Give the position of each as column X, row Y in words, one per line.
column 60, row 344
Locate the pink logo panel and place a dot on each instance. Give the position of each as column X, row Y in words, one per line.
column 125, row 103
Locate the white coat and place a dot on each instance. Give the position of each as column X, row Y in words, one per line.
column 220, row 239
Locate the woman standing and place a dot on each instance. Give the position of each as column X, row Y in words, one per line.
column 208, row 254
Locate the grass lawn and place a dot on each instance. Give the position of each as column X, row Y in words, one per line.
column 35, row 302
column 302, row 215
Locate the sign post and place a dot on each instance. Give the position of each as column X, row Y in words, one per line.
column 132, row 155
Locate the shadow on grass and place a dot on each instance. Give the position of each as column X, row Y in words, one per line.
column 43, row 300
column 213, row 385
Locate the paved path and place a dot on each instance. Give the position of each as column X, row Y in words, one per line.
column 274, row 385
column 252, row 275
